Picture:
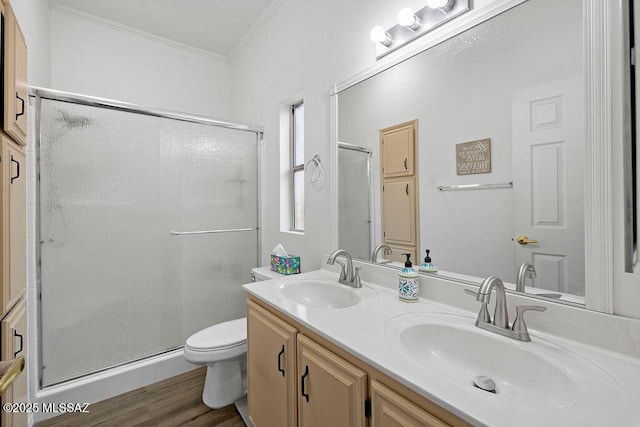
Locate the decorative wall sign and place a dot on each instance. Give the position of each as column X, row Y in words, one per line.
column 473, row 157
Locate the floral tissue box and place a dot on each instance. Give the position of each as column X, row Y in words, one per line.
column 289, row 264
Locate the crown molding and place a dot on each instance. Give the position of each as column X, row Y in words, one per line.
column 255, row 28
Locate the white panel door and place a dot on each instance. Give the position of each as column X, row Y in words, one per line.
column 548, row 182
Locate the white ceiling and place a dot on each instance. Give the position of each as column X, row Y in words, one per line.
column 216, row 26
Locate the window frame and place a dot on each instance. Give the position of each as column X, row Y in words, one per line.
column 296, row 167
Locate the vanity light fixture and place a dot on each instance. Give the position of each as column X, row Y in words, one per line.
column 379, row 35
column 445, row 5
column 408, row 19
column 412, row 25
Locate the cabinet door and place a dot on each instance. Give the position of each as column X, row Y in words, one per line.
column 398, row 146
column 14, row 343
column 271, row 369
column 399, row 211
column 15, row 274
column 331, row 391
column 389, row 409
column 15, row 79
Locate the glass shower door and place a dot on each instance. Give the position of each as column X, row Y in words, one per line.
column 116, row 285
column 354, row 201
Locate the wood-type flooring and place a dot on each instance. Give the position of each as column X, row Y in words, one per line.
column 175, row 401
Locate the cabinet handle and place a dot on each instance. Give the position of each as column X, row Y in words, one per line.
column 406, row 189
column 21, row 108
column 280, row 361
column 18, row 169
column 405, row 165
column 16, row 334
column 302, row 382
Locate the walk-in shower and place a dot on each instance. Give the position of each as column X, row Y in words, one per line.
column 148, row 223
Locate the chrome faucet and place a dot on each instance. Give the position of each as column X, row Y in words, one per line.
column 374, row 253
column 500, row 315
column 350, row 276
column 500, row 323
column 525, row 270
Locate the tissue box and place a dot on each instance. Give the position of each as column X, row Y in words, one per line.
column 289, row 264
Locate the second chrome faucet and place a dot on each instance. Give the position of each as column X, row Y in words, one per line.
column 500, row 323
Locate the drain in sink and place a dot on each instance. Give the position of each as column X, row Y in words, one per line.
column 484, row 383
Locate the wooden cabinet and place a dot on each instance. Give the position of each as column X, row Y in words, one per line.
column 388, row 408
column 332, row 391
column 15, row 78
column 397, row 148
column 13, row 210
column 14, row 224
column 271, row 349
column 333, row 387
column 399, row 184
column 399, row 212
column 13, row 335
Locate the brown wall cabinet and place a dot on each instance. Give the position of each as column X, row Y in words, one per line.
column 13, row 204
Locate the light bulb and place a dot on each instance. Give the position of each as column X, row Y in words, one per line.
column 379, row 35
column 408, row 19
column 445, row 5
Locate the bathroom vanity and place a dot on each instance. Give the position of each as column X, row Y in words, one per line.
column 325, row 371
column 322, row 353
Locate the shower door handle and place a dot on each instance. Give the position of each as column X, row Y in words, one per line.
column 17, row 171
column 21, row 108
column 280, row 361
column 16, row 334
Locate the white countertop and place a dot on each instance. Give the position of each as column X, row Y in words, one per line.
column 364, row 331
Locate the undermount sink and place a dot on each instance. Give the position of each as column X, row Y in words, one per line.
column 322, row 293
column 537, row 371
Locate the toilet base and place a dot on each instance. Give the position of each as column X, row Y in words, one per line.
column 223, row 384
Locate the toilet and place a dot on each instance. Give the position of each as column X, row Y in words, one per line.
column 223, row 348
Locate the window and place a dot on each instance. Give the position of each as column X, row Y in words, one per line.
column 297, row 166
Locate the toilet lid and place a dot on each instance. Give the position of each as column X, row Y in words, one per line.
column 221, row 335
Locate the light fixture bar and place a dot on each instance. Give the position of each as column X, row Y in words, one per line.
column 400, row 35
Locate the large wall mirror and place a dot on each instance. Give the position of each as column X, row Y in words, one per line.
column 515, row 82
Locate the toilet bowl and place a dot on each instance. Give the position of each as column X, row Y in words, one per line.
column 223, row 348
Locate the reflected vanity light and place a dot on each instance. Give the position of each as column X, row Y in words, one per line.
column 412, row 25
column 408, row 19
column 379, row 35
column 445, row 5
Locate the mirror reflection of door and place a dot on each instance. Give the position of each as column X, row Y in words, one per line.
column 354, row 200
column 548, row 168
column 399, row 184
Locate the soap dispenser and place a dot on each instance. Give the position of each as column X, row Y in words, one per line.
column 427, row 266
column 408, row 282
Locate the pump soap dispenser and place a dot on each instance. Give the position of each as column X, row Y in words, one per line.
column 408, row 282
column 427, row 265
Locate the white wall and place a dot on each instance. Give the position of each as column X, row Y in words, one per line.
column 98, row 58
column 34, row 18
